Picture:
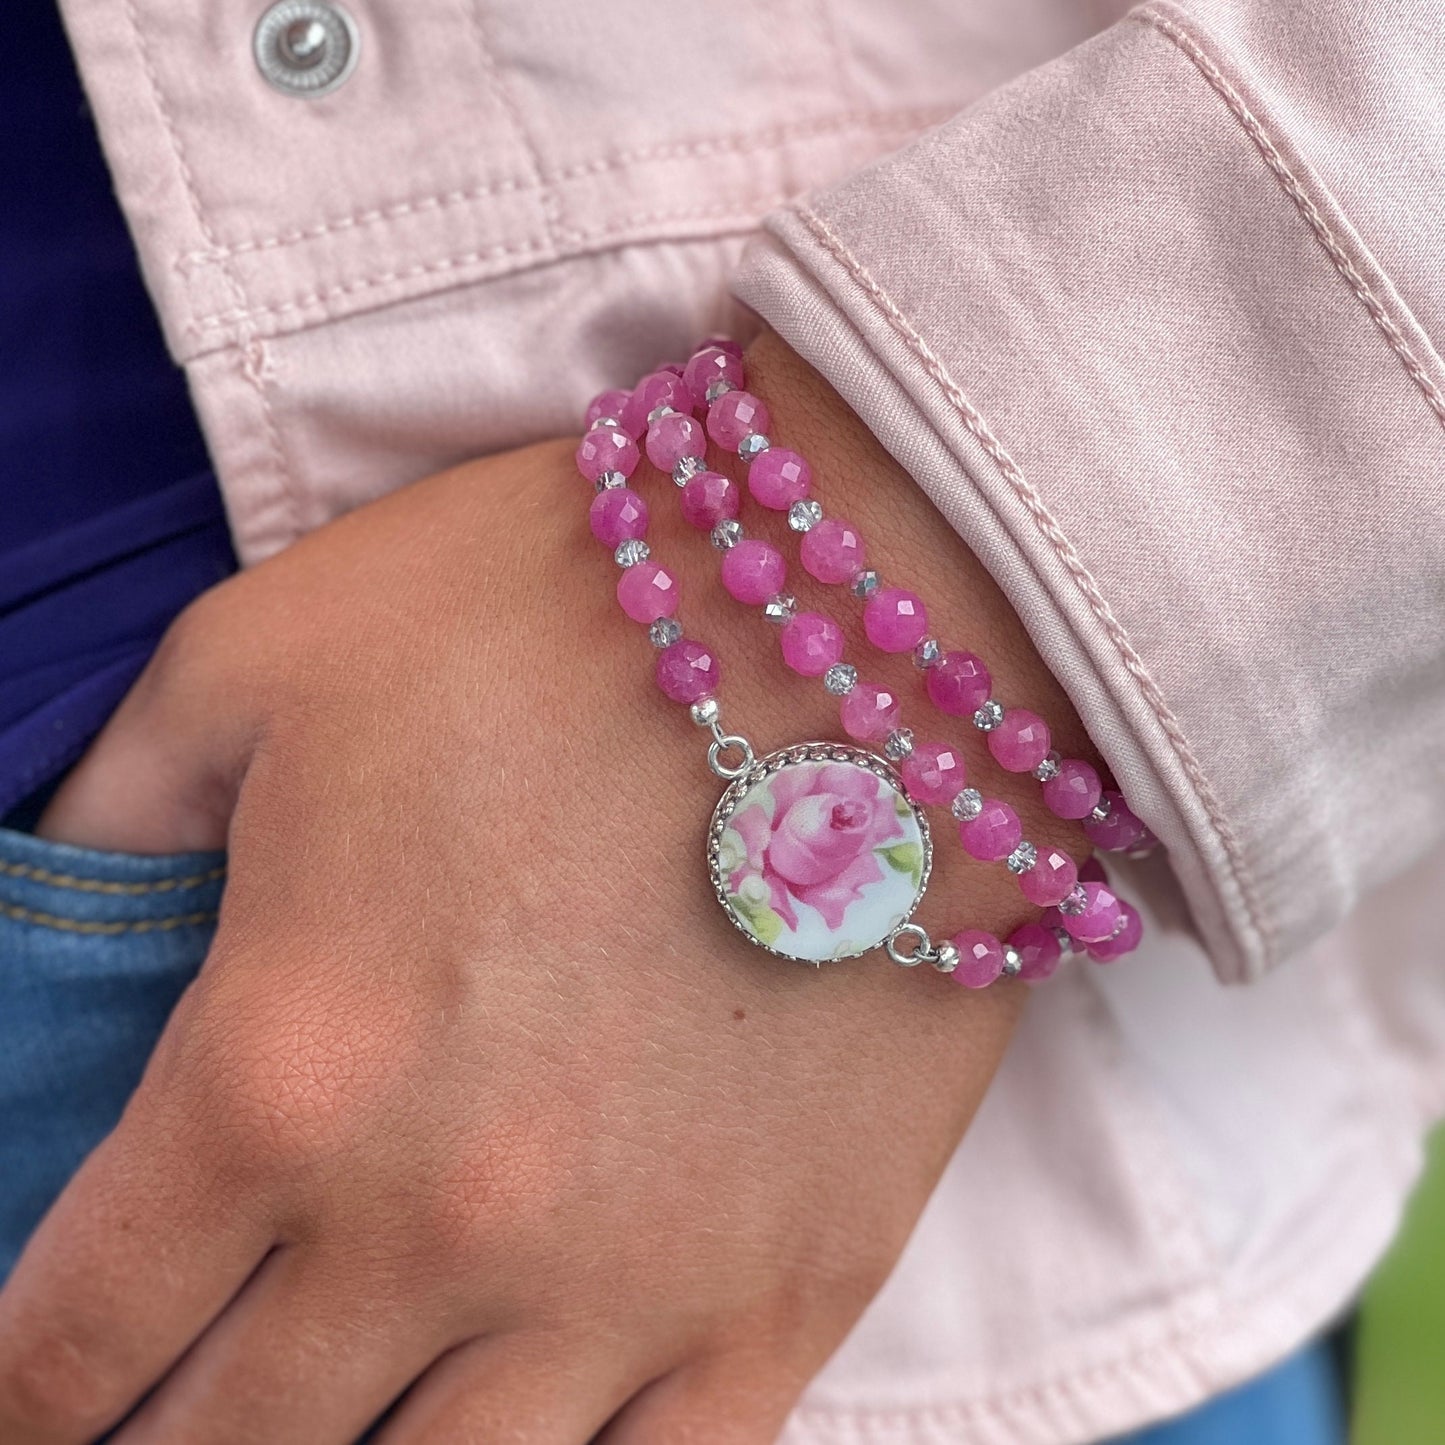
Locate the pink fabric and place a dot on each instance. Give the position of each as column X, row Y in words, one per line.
column 1151, row 324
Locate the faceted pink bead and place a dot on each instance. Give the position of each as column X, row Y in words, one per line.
column 606, row 403
column 1038, row 951
column 1121, row 830
column 671, row 438
column 725, row 343
column 777, row 478
column 1020, row 742
column 933, row 774
column 832, row 551
column 1101, row 915
column 1092, row 870
column 608, row 449
column 1051, row 878
column 617, row 514
column 709, row 498
column 869, row 712
column 1073, row 791
column 673, row 368
column 895, row 619
column 647, row 592
column 980, row 958
column 959, row 684
column 735, row 415
column 687, row 671
column 994, row 834
column 753, row 570
column 707, row 365
column 1125, row 941
column 811, row 643
column 660, row 388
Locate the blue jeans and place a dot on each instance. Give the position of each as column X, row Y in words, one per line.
column 95, row 949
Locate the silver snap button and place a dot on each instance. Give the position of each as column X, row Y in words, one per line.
column 306, row 47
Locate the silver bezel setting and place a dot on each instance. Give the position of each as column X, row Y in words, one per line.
column 814, row 752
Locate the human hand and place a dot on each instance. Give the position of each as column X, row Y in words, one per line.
column 478, row 1096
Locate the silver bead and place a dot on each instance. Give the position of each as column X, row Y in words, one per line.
column 1022, row 858
column 1047, row 769
column 945, row 957
column 967, row 805
column 753, row 445
column 1076, row 902
column 865, row 583
column 727, row 534
column 664, row 632
column 841, row 678
column 805, row 515
column 631, row 552
column 658, row 412
column 606, row 481
column 718, row 386
column 705, row 713
column 927, row 653
column 686, row 469
column 989, row 716
column 1102, row 809
column 898, row 744
column 1013, row 963
column 780, row 608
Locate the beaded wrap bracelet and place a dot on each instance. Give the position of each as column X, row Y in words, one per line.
column 822, row 850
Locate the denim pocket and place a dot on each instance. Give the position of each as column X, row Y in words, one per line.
column 95, row 948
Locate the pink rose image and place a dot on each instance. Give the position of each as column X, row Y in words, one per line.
column 817, row 845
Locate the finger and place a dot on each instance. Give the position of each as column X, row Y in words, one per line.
column 133, row 1261
column 310, row 1353
column 718, row 1402
column 526, row 1390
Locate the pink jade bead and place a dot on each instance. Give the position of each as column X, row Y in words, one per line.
column 1101, row 915
column 1121, row 830
column 753, row 570
column 1020, row 742
column 832, row 551
column 994, row 834
column 777, row 478
column 647, row 591
column 687, row 671
column 617, row 515
column 710, row 498
column 660, row 388
column 980, row 958
column 869, row 712
column 1073, row 791
column 1038, row 951
column 959, row 684
column 811, row 643
column 1050, row 880
column 673, row 437
column 735, row 415
column 933, row 774
column 1093, row 871
column 708, row 364
column 606, row 403
column 725, row 343
column 895, row 619
column 607, row 449
column 1126, row 940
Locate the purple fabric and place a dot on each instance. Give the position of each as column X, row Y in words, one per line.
column 110, row 520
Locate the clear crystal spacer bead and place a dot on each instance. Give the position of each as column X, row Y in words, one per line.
column 605, row 421
column 705, row 713
column 1013, row 963
column 780, row 608
column 865, row 583
column 719, row 386
column 927, row 653
column 1047, row 769
column 989, row 716
column 658, row 412
column 1067, row 943
column 841, row 678
column 686, row 469
column 727, row 534
column 805, row 515
column 898, row 744
column 607, row 480
column 753, row 445
column 1076, row 902
column 967, row 805
column 1102, row 809
column 664, row 632
column 631, row 552
column 1022, row 858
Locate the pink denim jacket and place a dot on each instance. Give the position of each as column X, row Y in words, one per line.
column 1149, row 316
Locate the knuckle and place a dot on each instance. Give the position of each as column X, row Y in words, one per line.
column 50, row 1388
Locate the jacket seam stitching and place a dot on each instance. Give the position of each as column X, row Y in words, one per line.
column 1303, row 202
column 1064, row 550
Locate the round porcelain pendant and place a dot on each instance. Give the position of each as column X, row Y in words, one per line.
column 816, row 853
